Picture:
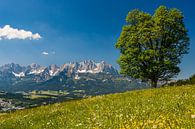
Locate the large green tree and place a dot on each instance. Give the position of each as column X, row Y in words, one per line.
column 152, row 46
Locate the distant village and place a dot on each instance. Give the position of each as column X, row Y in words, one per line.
column 6, row 105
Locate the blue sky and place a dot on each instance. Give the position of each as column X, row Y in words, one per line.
column 75, row 30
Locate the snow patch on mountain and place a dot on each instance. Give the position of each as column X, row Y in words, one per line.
column 22, row 74
column 36, row 71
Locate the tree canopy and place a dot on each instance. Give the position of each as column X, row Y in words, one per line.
column 152, row 46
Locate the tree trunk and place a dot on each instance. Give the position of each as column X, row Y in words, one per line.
column 154, row 83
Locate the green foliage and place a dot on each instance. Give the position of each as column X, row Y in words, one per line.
column 189, row 81
column 152, row 46
column 162, row 108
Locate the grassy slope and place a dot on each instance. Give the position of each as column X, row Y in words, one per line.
column 155, row 108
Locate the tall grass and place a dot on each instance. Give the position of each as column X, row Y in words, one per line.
column 172, row 107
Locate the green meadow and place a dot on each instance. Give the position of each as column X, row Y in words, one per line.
column 169, row 107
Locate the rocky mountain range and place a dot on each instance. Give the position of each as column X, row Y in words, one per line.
column 14, row 77
column 15, row 70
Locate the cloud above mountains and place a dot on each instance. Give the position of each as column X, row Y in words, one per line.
column 7, row 32
column 45, row 53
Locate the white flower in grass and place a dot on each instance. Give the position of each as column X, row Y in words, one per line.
column 192, row 116
column 79, row 124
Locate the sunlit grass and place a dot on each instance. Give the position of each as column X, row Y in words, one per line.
column 34, row 96
column 172, row 107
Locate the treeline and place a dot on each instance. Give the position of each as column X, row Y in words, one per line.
column 189, row 81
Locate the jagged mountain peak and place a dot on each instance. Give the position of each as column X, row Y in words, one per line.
column 53, row 70
column 34, row 65
column 88, row 66
column 11, row 67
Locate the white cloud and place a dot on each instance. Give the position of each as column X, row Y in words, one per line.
column 7, row 32
column 45, row 53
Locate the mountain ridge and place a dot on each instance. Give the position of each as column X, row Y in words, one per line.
column 89, row 76
column 87, row 66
